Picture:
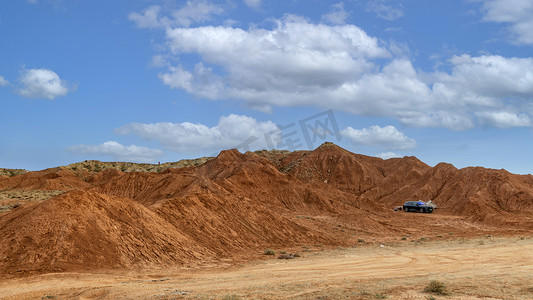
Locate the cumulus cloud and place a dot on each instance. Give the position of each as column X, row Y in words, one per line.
column 387, row 137
column 290, row 64
column 337, row 15
column 3, row 81
column 42, row 83
column 491, row 75
column 191, row 13
column 202, row 82
column 385, row 11
column 282, row 66
column 517, row 13
column 118, row 151
column 253, row 3
column 196, row 12
column 503, row 119
column 232, row 131
column 149, row 18
column 387, row 155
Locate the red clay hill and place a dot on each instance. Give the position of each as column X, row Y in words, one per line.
column 234, row 206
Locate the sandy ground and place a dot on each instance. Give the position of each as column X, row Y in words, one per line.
column 482, row 268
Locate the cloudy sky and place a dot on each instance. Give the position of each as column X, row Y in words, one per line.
column 149, row 81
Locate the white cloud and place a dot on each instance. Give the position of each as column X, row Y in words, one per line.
column 42, row 83
column 503, row 119
column 291, row 65
column 493, row 75
column 272, row 67
column 195, row 11
column 202, row 83
column 3, row 81
column 337, row 15
column 253, row 3
column 118, row 151
column 159, row 61
column 387, row 137
column 233, row 131
column 148, row 19
column 517, row 13
column 384, row 11
column 387, row 155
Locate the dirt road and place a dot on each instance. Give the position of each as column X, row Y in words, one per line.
column 484, row 268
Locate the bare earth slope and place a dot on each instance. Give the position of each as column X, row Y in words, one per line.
column 86, row 230
column 234, row 206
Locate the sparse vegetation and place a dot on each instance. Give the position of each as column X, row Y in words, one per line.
column 11, row 172
column 34, row 195
column 360, row 240
column 231, row 297
column 98, row 166
column 10, row 199
column 269, row 252
column 436, row 287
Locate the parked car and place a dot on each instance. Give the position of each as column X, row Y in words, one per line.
column 417, row 206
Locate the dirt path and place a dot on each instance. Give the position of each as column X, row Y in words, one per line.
column 483, row 268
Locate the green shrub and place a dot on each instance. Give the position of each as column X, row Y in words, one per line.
column 436, row 287
column 270, row 252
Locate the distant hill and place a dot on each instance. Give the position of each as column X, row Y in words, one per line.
column 11, row 172
column 96, row 215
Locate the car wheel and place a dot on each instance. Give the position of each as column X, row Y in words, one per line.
column 421, row 210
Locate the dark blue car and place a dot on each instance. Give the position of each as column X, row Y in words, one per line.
column 417, row 206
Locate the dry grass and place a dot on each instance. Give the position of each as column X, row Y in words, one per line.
column 10, row 199
column 11, row 172
column 269, row 252
column 95, row 166
column 436, row 287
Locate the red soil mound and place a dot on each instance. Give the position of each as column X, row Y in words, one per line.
column 241, row 203
column 86, row 230
column 50, row 179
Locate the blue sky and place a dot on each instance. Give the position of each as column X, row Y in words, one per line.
column 149, row 81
